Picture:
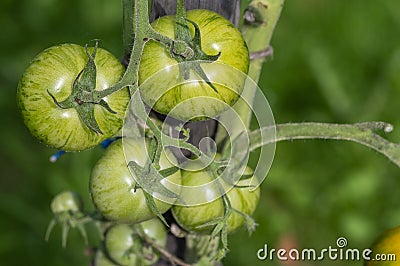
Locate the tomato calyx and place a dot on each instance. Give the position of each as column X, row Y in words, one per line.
column 150, row 178
column 67, row 208
column 81, row 97
column 191, row 54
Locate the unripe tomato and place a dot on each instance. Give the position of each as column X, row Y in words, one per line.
column 124, row 245
column 156, row 230
column 54, row 71
column 121, row 242
column 242, row 198
column 100, row 259
column 197, row 99
column 66, row 202
column 112, row 185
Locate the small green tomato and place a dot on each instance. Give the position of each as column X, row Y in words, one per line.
column 242, row 198
column 67, row 201
column 123, row 244
column 100, row 259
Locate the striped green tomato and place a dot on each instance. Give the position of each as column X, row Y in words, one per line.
column 112, row 185
column 241, row 197
column 54, row 71
column 195, row 100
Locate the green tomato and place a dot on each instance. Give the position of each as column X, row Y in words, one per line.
column 195, row 100
column 156, row 230
column 54, row 70
column 100, row 259
column 112, row 186
column 123, row 244
column 66, row 202
column 241, row 197
column 386, row 249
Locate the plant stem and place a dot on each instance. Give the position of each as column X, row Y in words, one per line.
column 128, row 26
column 143, row 31
column 362, row 133
column 140, row 23
column 174, row 260
column 261, row 17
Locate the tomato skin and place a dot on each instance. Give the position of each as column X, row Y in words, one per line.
column 112, row 185
column 55, row 70
column 241, row 198
column 217, row 35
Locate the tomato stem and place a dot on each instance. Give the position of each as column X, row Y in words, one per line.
column 260, row 19
column 362, row 133
column 191, row 57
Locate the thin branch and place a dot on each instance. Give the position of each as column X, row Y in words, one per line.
column 362, row 133
column 262, row 54
column 174, row 260
column 260, row 19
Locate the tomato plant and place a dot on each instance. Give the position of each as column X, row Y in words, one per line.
column 112, row 185
column 53, row 72
column 176, row 65
column 82, row 100
column 242, row 197
column 197, row 99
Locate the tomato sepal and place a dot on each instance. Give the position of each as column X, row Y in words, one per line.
column 67, row 208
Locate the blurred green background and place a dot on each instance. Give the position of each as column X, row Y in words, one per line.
column 334, row 61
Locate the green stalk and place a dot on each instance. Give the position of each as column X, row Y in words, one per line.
column 362, row 133
column 128, row 26
column 261, row 17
